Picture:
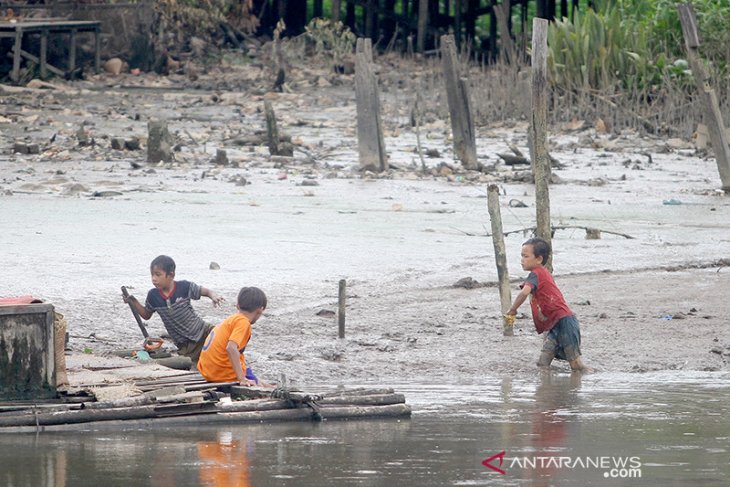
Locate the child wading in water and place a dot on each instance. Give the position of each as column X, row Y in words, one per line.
column 550, row 312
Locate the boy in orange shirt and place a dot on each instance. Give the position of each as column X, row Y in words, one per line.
column 222, row 357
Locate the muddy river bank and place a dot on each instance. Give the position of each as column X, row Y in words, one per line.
column 80, row 219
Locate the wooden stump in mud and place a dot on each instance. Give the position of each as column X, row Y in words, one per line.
column 712, row 113
column 272, row 131
column 370, row 143
column 457, row 94
column 159, row 142
column 538, row 132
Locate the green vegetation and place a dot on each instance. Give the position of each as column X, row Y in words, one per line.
column 634, row 45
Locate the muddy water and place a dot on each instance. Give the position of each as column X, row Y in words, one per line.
column 650, row 429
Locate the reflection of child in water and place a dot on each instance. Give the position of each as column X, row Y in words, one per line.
column 223, row 463
column 549, row 430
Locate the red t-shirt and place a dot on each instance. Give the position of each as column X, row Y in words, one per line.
column 546, row 300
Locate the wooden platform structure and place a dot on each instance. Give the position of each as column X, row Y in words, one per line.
column 189, row 400
column 18, row 29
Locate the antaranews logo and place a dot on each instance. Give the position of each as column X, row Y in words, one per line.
column 487, row 462
column 613, row 467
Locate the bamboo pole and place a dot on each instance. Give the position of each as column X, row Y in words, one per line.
column 712, row 115
column 538, row 132
column 500, row 256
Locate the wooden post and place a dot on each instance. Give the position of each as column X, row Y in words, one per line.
column 341, row 302
column 97, row 50
column 457, row 95
column 370, row 143
column 365, row 46
column 538, row 132
column 44, row 54
column 503, row 12
column 17, row 47
column 712, row 115
column 272, row 131
column 336, row 7
column 500, row 256
column 422, row 25
column 72, row 53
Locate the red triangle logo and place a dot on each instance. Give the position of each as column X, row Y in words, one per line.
column 487, row 463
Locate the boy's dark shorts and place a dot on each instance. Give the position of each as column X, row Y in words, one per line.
column 193, row 349
column 563, row 339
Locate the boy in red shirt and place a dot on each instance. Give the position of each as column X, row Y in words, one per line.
column 550, row 312
column 222, row 357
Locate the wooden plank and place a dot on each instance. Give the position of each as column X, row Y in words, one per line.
column 37, row 60
column 538, row 132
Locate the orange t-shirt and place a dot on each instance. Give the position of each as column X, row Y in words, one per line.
column 214, row 363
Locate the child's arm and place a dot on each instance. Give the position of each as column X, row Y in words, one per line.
column 143, row 312
column 526, row 290
column 234, row 357
column 217, row 300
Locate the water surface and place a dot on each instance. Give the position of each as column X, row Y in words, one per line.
column 557, row 429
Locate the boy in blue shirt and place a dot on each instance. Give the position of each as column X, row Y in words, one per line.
column 171, row 300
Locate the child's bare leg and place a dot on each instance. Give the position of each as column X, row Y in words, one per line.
column 546, row 358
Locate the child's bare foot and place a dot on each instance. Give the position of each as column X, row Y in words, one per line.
column 577, row 365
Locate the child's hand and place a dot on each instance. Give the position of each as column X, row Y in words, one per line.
column 128, row 299
column 217, row 300
column 247, row 383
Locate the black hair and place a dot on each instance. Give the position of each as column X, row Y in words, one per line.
column 251, row 298
column 540, row 248
column 164, row 262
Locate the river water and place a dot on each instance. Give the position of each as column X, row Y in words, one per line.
column 556, row 429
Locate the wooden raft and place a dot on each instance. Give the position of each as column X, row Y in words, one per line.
column 186, row 400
